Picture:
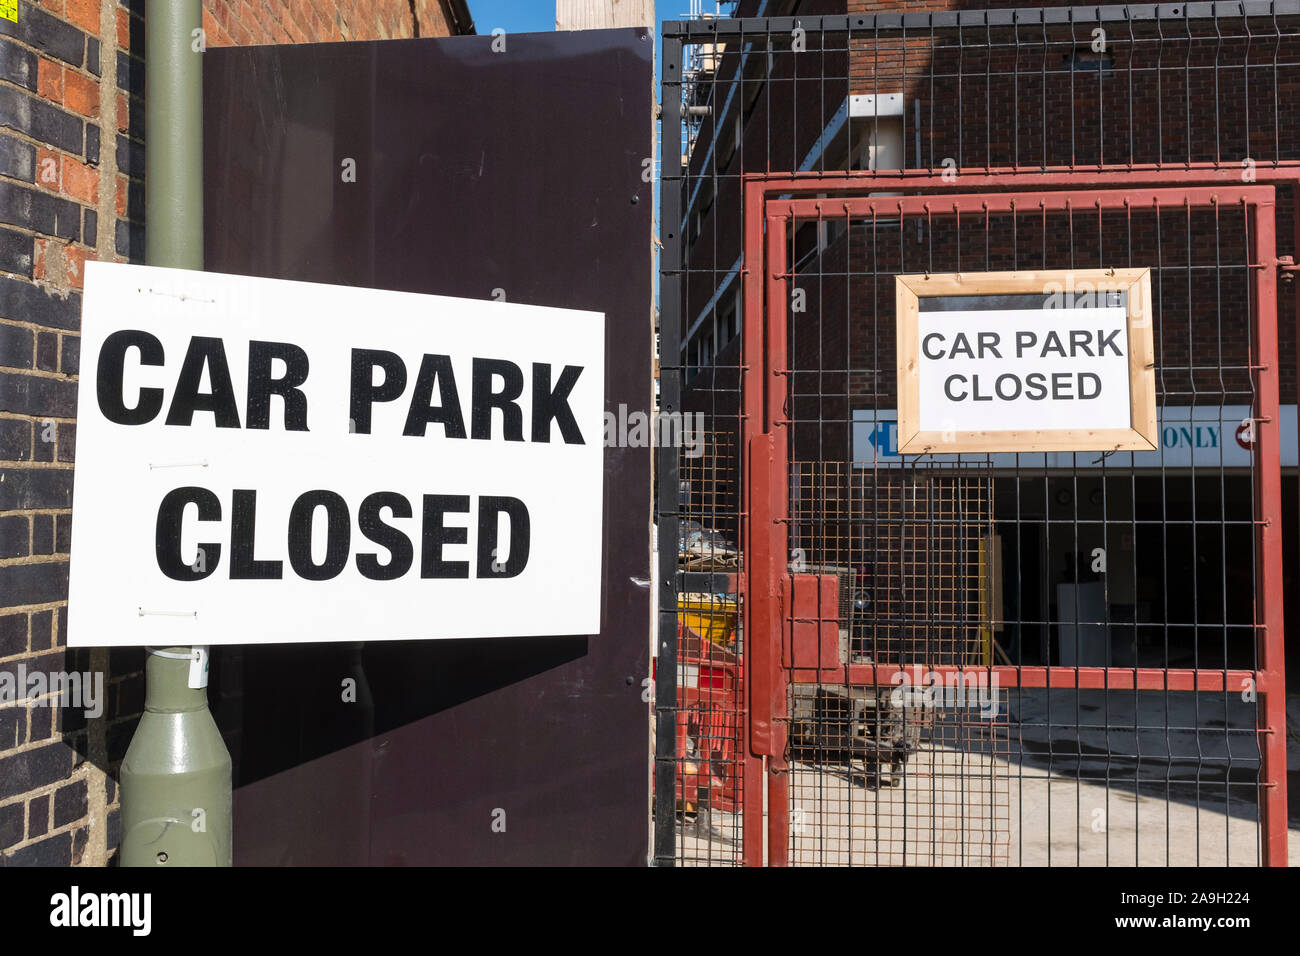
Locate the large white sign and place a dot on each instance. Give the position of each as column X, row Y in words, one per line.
column 266, row 461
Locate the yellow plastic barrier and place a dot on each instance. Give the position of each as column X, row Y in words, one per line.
column 713, row 618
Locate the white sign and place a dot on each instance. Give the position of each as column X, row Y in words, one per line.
column 1025, row 369
column 1028, row 361
column 265, row 461
column 1202, row 436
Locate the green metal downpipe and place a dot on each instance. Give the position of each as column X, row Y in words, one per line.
column 173, row 96
column 176, row 775
column 176, row 806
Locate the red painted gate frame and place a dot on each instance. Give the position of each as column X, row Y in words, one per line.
column 773, row 199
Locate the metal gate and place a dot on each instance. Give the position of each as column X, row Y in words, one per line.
column 1037, row 659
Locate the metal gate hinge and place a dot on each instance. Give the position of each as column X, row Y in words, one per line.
column 1287, row 267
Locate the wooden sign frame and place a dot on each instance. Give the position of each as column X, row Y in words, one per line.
column 1141, row 435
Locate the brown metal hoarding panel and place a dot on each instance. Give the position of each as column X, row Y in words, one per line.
column 476, row 170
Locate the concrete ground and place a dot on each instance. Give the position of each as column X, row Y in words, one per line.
column 1003, row 815
column 1004, row 804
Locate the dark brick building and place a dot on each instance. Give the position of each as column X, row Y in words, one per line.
column 947, row 98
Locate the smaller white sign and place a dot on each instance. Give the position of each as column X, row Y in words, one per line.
column 1007, row 361
column 1039, row 369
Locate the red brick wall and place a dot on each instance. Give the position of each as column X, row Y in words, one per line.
column 241, row 22
column 56, row 151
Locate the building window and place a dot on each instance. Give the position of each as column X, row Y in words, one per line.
column 700, row 210
column 1087, row 60
column 728, row 322
column 814, row 237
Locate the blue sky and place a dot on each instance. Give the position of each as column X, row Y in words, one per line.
column 513, row 16
column 531, row 16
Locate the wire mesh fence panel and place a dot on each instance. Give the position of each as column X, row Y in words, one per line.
column 873, row 783
column 711, row 714
column 1024, row 658
column 888, row 775
column 1002, row 561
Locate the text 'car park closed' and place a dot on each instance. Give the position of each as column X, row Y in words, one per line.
column 255, row 465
